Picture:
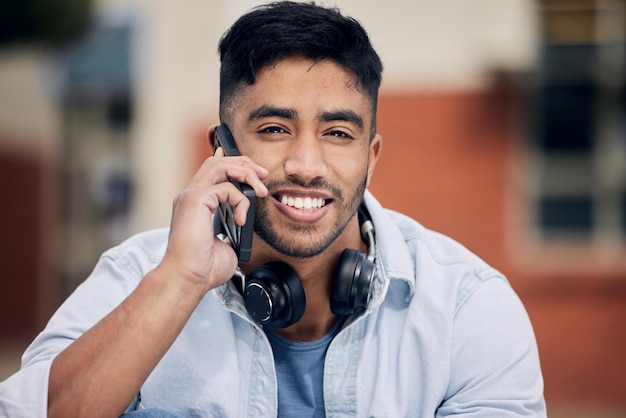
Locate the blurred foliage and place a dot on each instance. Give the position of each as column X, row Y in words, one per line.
column 47, row 22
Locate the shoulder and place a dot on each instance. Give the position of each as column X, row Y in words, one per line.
column 432, row 264
column 436, row 250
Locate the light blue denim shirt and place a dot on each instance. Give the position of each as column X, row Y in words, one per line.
column 444, row 334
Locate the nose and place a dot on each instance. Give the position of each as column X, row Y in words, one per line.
column 306, row 158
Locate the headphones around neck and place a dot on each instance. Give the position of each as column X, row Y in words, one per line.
column 274, row 296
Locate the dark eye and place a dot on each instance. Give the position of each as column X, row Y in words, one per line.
column 340, row 134
column 273, row 130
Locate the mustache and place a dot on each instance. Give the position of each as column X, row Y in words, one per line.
column 313, row 184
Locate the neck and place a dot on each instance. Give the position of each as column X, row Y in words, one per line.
column 317, row 319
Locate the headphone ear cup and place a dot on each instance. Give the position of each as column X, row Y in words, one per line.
column 351, row 283
column 274, row 295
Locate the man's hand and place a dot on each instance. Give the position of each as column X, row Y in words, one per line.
column 193, row 252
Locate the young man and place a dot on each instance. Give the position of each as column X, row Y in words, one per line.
column 420, row 327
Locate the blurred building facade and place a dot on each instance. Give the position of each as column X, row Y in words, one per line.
column 504, row 127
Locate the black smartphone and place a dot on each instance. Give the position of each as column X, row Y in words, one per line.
column 224, row 223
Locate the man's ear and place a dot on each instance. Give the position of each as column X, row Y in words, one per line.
column 211, row 135
column 376, row 147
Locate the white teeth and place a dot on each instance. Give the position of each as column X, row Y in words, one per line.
column 305, row 203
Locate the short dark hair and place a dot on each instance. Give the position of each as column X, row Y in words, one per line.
column 273, row 32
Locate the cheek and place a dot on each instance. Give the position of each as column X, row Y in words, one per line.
column 348, row 162
column 349, row 170
column 271, row 158
column 265, row 154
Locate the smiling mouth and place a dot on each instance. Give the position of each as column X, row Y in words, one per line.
column 308, row 203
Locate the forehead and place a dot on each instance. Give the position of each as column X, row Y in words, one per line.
column 304, row 85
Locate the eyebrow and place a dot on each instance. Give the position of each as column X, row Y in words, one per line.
column 343, row 115
column 265, row 111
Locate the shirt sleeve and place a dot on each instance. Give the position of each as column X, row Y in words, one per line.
column 495, row 363
column 25, row 394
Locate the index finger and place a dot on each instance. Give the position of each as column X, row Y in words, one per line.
column 220, row 168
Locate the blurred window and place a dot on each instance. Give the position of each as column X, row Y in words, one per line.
column 579, row 154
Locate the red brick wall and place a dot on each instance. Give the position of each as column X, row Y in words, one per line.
column 444, row 163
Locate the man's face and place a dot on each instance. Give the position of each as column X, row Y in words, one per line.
column 310, row 127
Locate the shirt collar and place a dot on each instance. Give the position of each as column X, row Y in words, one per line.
column 394, row 260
